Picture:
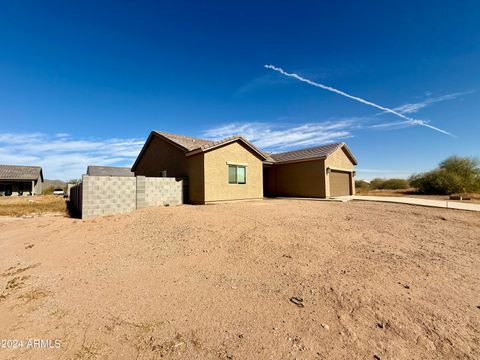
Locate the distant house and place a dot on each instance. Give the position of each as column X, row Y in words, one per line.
column 234, row 169
column 109, row 171
column 20, row 180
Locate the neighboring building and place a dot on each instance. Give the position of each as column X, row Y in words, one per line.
column 234, row 169
column 20, row 180
column 109, row 171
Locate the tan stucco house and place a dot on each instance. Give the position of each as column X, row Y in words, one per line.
column 234, row 169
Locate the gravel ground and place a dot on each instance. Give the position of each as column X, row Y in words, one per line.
column 372, row 281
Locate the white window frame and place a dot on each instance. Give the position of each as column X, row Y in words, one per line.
column 236, row 173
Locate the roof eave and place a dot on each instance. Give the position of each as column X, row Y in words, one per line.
column 349, row 153
column 295, row 160
column 220, row 144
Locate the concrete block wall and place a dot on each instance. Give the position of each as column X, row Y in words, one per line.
column 104, row 195
column 162, row 191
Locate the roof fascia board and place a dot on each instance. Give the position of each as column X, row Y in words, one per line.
column 349, row 153
column 200, row 150
column 147, row 143
column 294, row 161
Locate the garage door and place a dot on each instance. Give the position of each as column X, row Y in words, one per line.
column 339, row 183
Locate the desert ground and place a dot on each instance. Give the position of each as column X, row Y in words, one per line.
column 272, row 279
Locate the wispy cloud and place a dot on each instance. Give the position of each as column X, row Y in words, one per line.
column 271, row 137
column 411, row 108
column 63, row 157
column 408, row 120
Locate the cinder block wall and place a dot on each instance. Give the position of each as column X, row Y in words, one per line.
column 104, row 195
column 161, row 191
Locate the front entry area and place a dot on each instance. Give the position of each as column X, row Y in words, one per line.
column 340, row 183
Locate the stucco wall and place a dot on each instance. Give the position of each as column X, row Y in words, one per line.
column 161, row 155
column 196, row 180
column 39, row 187
column 304, row 179
column 339, row 160
column 217, row 187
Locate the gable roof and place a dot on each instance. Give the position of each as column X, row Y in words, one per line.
column 17, row 172
column 109, row 171
column 317, row 152
column 188, row 143
column 191, row 146
column 214, row 144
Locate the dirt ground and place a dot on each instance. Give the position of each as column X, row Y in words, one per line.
column 378, row 281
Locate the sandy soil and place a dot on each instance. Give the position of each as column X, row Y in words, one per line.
column 378, row 281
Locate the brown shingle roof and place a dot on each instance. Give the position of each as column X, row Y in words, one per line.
column 304, row 154
column 15, row 172
column 187, row 142
column 109, row 171
column 195, row 145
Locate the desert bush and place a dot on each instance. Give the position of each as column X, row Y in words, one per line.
column 453, row 175
column 389, row 184
column 361, row 185
column 48, row 191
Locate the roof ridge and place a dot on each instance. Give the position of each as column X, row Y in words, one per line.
column 29, row 166
column 178, row 135
column 221, row 141
column 338, row 144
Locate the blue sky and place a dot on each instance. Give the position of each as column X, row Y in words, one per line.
column 83, row 83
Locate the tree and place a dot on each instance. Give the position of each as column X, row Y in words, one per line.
column 453, row 175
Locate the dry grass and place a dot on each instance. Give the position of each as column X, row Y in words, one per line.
column 29, row 205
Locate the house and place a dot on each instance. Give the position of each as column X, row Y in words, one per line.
column 109, row 171
column 20, row 180
column 234, row 169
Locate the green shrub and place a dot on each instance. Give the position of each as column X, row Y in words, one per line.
column 389, row 184
column 361, row 185
column 454, row 175
column 48, row 191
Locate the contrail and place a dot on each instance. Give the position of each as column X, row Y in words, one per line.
column 409, row 120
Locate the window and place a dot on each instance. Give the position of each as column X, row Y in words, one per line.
column 237, row 174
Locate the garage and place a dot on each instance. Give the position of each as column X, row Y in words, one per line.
column 318, row 172
column 340, row 183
